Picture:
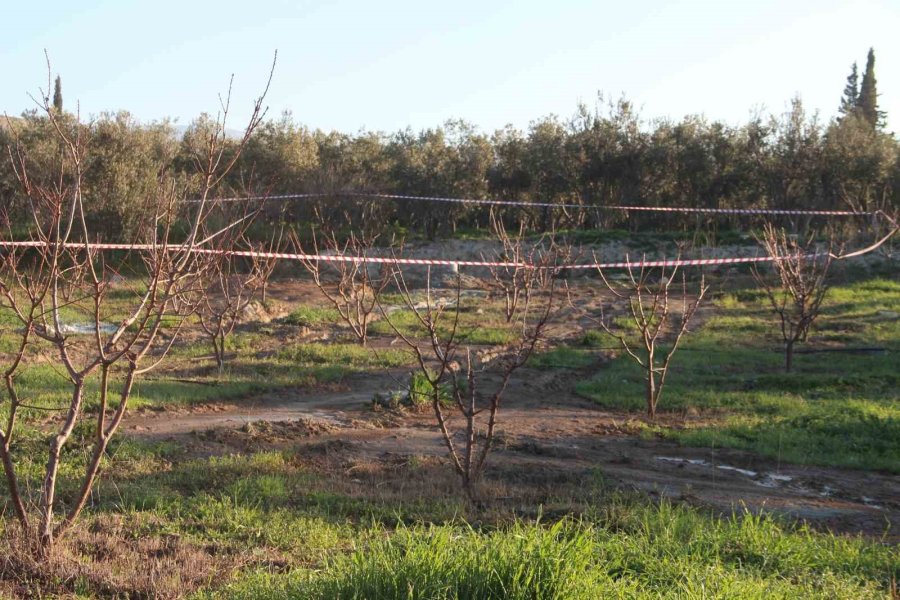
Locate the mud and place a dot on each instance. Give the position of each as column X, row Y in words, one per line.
column 545, row 434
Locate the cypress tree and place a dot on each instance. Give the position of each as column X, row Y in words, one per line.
column 851, row 93
column 868, row 94
column 57, row 95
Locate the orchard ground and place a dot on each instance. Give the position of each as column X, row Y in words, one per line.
column 281, row 478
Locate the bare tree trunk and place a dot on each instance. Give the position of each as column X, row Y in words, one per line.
column 104, row 434
column 48, row 495
column 219, row 345
column 12, row 483
column 651, row 392
column 469, row 459
column 798, row 289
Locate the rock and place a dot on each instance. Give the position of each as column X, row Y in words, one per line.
column 256, row 311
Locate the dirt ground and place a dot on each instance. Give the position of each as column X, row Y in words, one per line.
column 549, row 441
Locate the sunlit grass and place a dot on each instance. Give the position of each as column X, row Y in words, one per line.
column 627, row 550
column 834, row 409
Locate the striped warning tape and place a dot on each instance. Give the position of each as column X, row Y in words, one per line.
column 489, row 202
column 407, row 261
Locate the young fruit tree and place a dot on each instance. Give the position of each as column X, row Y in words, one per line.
column 797, row 286
column 456, row 381
column 229, row 282
column 513, row 279
column 653, row 324
column 349, row 285
column 101, row 319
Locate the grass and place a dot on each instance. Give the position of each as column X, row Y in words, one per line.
column 258, row 500
column 47, row 389
column 188, row 376
column 310, row 316
column 347, row 355
column 626, row 550
column 653, row 242
column 563, row 357
column 838, row 409
column 477, row 328
column 300, row 534
column 342, row 547
column 299, row 538
column 335, row 546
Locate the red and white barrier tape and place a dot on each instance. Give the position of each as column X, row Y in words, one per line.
column 485, row 201
column 408, row 261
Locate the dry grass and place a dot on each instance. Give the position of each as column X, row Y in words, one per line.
column 107, row 557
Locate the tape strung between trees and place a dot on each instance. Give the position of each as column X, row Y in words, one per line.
column 489, row 202
column 455, row 264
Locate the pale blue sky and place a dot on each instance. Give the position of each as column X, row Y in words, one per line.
column 388, row 64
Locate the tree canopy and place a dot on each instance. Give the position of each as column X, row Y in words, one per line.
column 606, row 154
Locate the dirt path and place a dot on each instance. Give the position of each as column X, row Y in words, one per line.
column 546, row 434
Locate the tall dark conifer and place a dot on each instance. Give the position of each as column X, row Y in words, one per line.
column 57, row 95
column 851, row 93
column 868, row 94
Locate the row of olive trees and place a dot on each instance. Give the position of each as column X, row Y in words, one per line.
column 607, row 155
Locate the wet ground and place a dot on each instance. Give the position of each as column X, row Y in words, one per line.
column 546, row 436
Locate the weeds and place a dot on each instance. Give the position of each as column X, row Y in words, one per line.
column 627, row 550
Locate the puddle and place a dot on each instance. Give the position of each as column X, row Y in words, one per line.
column 685, row 461
column 84, row 328
column 772, row 480
column 746, row 472
column 870, row 502
column 436, row 304
column 769, row 480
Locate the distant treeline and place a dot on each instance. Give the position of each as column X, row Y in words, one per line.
column 600, row 156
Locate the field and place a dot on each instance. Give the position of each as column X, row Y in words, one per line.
column 279, row 477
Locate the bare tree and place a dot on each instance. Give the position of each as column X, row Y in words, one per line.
column 120, row 344
column 799, row 286
column 651, row 321
column 349, row 285
column 268, row 267
column 227, row 286
column 453, row 375
column 514, row 279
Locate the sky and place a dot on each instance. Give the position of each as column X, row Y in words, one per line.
column 387, row 65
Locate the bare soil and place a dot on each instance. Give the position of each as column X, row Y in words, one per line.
column 550, row 443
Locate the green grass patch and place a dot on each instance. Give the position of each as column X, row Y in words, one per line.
column 310, row 316
column 625, row 551
column 336, row 546
column 562, row 357
column 345, row 355
column 485, row 328
column 836, row 409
